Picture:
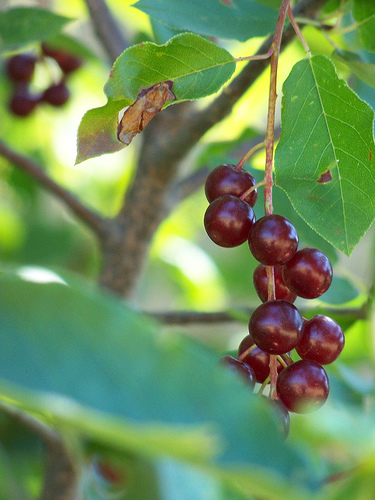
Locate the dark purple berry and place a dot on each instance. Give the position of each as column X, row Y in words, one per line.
column 240, row 367
column 228, row 221
column 308, row 273
column 227, row 179
column 276, row 326
column 322, row 340
column 303, row 386
column 273, row 240
column 56, row 95
column 257, row 359
column 22, row 103
column 67, row 62
column 20, row 67
column 260, row 281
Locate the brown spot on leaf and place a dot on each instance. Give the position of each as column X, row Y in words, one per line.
column 325, row 177
column 149, row 101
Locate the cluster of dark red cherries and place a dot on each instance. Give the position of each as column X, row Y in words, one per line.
column 20, row 69
column 276, row 327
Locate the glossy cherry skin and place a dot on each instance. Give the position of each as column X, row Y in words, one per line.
column 227, row 179
column 257, row 359
column 228, row 221
column 303, row 386
column 273, row 240
column 20, row 67
column 245, row 371
column 308, row 274
column 276, row 326
column 56, row 95
column 322, row 340
column 260, row 282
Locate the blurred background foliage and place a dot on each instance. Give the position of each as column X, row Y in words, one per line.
column 185, row 269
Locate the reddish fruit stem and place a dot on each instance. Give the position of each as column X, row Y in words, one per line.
column 240, row 164
column 269, row 144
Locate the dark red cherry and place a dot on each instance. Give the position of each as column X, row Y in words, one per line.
column 67, row 62
column 22, row 103
column 227, row 179
column 260, row 281
column 308, row 273
column 322, row 340
column 20, row 67
column 303, row 386
column 276, row 326
column 228, row 221
column 240, row 367
column 56, row 95
column 257, row 359
column 273, row 240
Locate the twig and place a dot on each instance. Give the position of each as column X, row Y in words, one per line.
column 107, row 28
column 236, row 315
column 61, row 474
column 269, row 145
column 94, row 221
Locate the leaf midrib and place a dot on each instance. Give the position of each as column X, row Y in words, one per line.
column 334, row 153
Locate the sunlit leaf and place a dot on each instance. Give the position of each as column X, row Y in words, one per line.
column 327, row 129
column 194, row 66
column 364, row 14
column 22, row 25
column 239, row 20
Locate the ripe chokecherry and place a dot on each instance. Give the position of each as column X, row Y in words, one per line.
column 260, row 282
column 276, row 326
column 22, row 103
column 257, row 359
column 240, row 367
column 273, row 240
column 227, row 179
column 56, row 95
column 322, row 340
column 228, row 221
column 67, row 62
column 303, row 386
column 308, row 273
column 20, row 68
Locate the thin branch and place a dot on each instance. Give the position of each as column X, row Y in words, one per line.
column 93, row 220
column 61, row 475
column 107, row 29
column 241, row 315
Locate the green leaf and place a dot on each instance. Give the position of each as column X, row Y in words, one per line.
column 196, row 66
column 99, row 368
column 23, row 25
column 365, row 71
column 241, row 20
column 364, row 14
column 324, row 158
column 97, row 132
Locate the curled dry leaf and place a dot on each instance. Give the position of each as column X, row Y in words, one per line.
column 149, row 101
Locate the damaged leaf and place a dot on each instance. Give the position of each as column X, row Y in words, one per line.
column 149, row 101
column 197, row 68
column 323, row 160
